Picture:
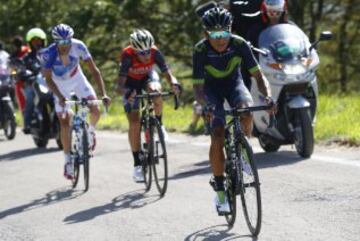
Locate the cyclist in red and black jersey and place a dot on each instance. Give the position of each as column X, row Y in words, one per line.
column 136, row 74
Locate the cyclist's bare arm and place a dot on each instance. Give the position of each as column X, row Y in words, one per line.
column 262, row 83
column 120, row 87
column 51, row 84
column 96, row 75
column 173, row 82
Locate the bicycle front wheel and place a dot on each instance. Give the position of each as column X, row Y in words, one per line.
column 249, row 186
column 86, row 157
column 159, row 159
column 75, row 159
column 146, row 151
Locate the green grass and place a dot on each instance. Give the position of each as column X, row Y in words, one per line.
column 338, row 119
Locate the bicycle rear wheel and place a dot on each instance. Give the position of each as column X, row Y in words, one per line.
column 146, row 152
column 249, row 186
column 86, row 157
column 159, row 159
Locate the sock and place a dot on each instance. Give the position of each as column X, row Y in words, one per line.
column 67, row 157
column 221, row 196
column 219, row 183
column 159, row 118
column 91, row 128
column 137, row 161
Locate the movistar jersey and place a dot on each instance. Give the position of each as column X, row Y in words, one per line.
column 50, row 59
column 211, row 67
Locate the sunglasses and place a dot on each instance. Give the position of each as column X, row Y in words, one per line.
column 63, row 42
column 219, row 34
column 144, row 52
column 274, row 13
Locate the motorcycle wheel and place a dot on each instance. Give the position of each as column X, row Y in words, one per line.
column 266, row 145
column 303, row 135
column 40, row 142
column 10, row 122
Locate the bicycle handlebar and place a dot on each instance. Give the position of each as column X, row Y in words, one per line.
column 83, row 102
column 157, row 94
column 239, row 111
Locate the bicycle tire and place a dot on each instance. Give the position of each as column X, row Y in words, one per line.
column 231, row 195
column 159, row 162
column 145, row 149
column 253, row 221
column 76, row 172
column 75, row 157
column 86, row 157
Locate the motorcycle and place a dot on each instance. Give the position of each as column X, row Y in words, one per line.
column 45, row 124
column 289, row 62
column 7, row 114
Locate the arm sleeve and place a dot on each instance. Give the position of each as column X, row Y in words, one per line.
column 83, row 51
column 250, row 62
column 198, row 68
column 125, row 64
column 160, row 61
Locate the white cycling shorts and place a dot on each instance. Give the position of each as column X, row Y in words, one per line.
column 77, row 84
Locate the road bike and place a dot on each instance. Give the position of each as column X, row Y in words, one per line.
column 153, row 146
column 241, row 175
column 80, row 149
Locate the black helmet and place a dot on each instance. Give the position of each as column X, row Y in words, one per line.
column 217, row 18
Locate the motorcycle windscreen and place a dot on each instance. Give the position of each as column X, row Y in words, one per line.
column 286, row 42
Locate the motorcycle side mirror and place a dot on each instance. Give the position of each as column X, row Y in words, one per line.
column 324, row 36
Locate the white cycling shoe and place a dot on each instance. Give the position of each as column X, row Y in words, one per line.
column 222, row 208
column 138, row 174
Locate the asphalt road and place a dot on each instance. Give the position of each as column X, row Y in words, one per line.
column 313, row 199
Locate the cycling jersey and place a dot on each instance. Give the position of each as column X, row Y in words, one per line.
column 51, row 60
column 220, row 74
column 217, row 69
column 133, row 68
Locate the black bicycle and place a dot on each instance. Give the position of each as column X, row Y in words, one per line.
column 79, row 139
column 153, row 147
column 241, row 171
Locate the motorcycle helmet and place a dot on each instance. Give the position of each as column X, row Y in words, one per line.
column 275, row 5
column 141, row 40
column 217, row 19
column 36, row 33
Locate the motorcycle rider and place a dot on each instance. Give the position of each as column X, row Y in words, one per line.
column 20, row 50
column 273, row 12
column 37, row 40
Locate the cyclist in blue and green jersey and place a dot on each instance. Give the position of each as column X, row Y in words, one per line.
column 216, row 77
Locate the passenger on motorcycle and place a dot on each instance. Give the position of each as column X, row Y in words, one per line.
column 136, row 74
column 36, row 38
column 216, row 77
column 63, row 73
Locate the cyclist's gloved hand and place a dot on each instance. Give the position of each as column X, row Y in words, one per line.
column 271, row 103
column 106, row 100
column 176, row 88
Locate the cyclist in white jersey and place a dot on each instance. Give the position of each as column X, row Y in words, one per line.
column 61, row 68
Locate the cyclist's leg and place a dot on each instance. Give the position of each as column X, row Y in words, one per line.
column 154, row 85
column 84, row 89
column 64, row 116
column 240, row 97
column 216, row 153
column 133, row 116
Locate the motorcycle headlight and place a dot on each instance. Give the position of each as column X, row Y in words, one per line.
column 295, row 69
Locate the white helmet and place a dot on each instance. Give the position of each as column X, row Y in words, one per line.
column 275, row 5
column 141, row 40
